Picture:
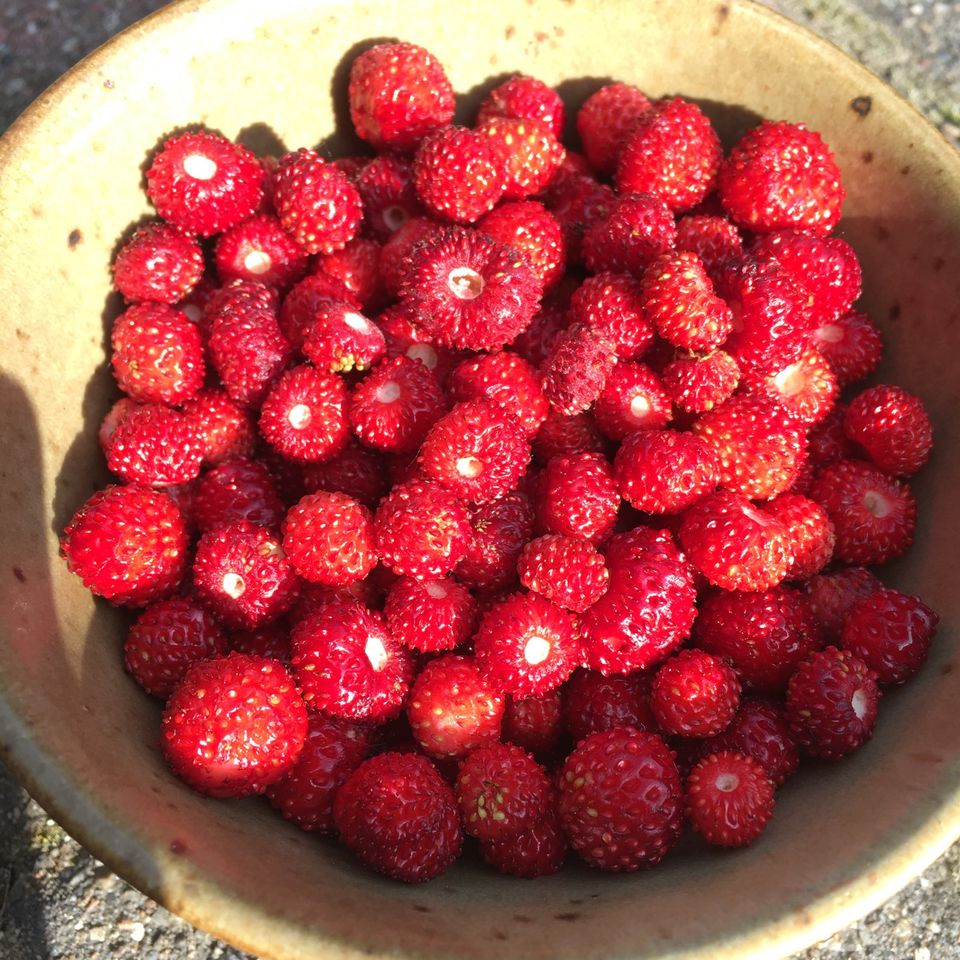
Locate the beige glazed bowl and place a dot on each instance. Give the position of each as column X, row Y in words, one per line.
column 81, row 735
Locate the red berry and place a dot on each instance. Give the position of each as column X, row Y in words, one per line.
column 577, row 367
column 316, row 203
column 852, row 345
column 673, row 152
column 159, row 263
column 398, row 94
column 827, row 441
column 467, row 291
column 563, row 435
column 810, row 533
column 621, row 800
column 632, row 399
column 301, row 305
column 499, row 530
column 167, row 639
column 529, row 151
column 224, row 428
column 430, row 615
column 241, row 573
column 713, row 239
column 663, row 471
column 422, row 530
column 606, row 120
column 579, row 497
column 398, row 249
column 593, row 702
column 638, row 228
column 452, row 709
column 535, row 852
column 613, row 302
column 157, row 354
column 333, row 749
column 893, row 426
column 578, row 202
column 347, row 664
column 404, row 338
column 270, row 640
column 154, row 445
column 397, row 814
column 389, row 198
column 890, row 632
column 260, row 249
column 524, row 98
column 354, row 471
column 128, row 545
column 530, row 229
column 567, row 570
column 357, row 267
column 874, row 515
column 734, row 544
column 203, row 183
column 527, row 645
column 833, row 594
column 782, row 176
column 534, row 723
column 234, row 725
column 697, row 384
column 806, row 388
column 729, row 799
column 237, row 490
column 694, row 694
column 832, row 703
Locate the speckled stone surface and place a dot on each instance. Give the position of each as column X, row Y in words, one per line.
column 56, row 901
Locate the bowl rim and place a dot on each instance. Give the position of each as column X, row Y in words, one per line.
column 37, row 771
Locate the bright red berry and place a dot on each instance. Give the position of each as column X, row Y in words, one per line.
column 567, row 570
column 606, row 120
column 238, row 489
column 810, row 532
column 713, row 239
column 593, row 702
column 806, row 389
column 430, row 615
column 694, row 694
column 524, row 98
column 852, row 345
column 578, row 202
column 398, row 249
column 260, row 249
column 529, row 151
column 389, row 198
column 158, row 263
column 614, row 302
column 632, row 399
column 697, row 384
column 893, row 426
column 574, row 373
column 535, row 852
column 534, row 723
column 357, row 267
column 579, row 497
column 224, row 429
column 154, row 445
column 342, row 339
column 529, row 228
column 563, row 435
column 312, row 294
column 499, row 531
column 638, row 228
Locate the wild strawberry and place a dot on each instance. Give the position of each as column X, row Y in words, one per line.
column 357, row 267
column 579, row 363
column 158, row 263
column 806, row 388
column 526, row 645
column 316, row 203
column 697, row 384
column 833, row 594
column 810, row 532
column 247, row 349
column 333, row 749
column 874, row 515
column 241, row 573
column 890, row 632
column 534, row 723
column 694, row 694
column 300, row 306
column 638, row 228
column 759, row 729
column 260, row 249
column 270, row 640
column 606, row 120
column 328, row 538
column 734, row 544
column 644, row 616
column 157, row 354
column 524, row 98
column 852, row 345
column 459, row 174
column 233, row 725
column 430, row 615
column 678, row 298
column 395, row 405
column 127, row 544
column 422, row 530
column 224, row 429
column 398, row 94
column 115, row 416
column 578, row 202
column 640, row 541
column 632, row 399
column 826, row 440
column 529, row 151
column 621, row 799
column 567, row 570
column 167, row 639
column 477, row 450
column 508, row 381
column 154, row 445
column 452, row 708
column 468, row 291
column 562, row 435
column 398, row 249
column 893, row 426
column 530, row 229
column 579, row 497
column 827, row 268
column 765, row 634
column 238, row 489
column 759, row 445
column 536, row 851
column 399, row 816
column 304, row 415
column 340, row 339
column 203, row 183
column 782, row 176
column 354, row 471
column 832, row 703
column 389, row 199
column 499, row 530
column 613, row 302
column 713, row 239
column 501, row 790
column 404, row 338
column 673, row 152
column 729, row 799
column 593, row 702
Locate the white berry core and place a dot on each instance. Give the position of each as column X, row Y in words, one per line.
column 436, row 590
column 376, row 653
column 424, row 353
column 829, row 333
column 257, row 262
column 727, row 782
column 388, row 392
column 465, row 283
column 200, row 167
column 757, row 518
column 790, row 380
column 876, row 503
column 356, row 321
column 233, row 585
column 537, row 650
column 394, row 218
column 193, row 312
column 859, row 703
column 639, row 406
column 469, row 467
column 299, row 416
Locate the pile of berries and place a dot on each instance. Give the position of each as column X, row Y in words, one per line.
column 484, row 487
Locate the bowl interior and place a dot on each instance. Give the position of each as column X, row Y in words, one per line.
column 84, row 738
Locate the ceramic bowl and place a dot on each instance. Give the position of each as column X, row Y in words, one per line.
column 82, row 736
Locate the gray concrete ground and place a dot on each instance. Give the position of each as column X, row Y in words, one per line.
column 59, row 903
